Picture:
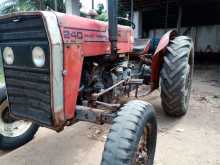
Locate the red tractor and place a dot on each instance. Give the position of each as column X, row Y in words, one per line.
column 60, row 69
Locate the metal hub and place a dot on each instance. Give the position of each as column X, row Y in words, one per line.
column 6, row 117
column 9, row 126
column 142, row 152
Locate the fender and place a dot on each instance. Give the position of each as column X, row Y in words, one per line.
column 157, row 59
column 147, row 47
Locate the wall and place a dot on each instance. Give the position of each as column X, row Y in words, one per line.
column 206, row 38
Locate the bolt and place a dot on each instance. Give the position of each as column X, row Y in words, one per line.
column 64, row 72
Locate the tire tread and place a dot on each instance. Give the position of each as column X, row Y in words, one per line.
column 173, row 75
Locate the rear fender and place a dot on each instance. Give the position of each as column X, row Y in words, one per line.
column 147, row 47
column 157, row 59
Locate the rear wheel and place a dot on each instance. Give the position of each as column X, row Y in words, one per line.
column 176, row 76
column 132, row 138
column 13, row 133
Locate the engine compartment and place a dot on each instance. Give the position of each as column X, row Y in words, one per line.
column 99, row 75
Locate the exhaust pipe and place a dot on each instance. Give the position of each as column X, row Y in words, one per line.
column 113, row 24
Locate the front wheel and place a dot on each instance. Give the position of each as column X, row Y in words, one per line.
column 132, row 137
column 13, row 133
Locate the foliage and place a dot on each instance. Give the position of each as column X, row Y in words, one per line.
column 51, row 4
column 100, row 9
column 9, row 6
column 82, row 14
column 102, row 14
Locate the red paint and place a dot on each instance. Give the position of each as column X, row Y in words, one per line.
column 147, row 47
column 84, row 37
column 93, row 35
column 73, row 61
column 158, row 58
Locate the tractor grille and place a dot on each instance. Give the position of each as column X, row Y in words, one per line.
column 28, row 87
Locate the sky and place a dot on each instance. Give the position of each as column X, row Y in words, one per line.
column 87, row 4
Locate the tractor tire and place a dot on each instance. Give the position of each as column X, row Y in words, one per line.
column 13, row 133
column 132, row 137
column 176, row 76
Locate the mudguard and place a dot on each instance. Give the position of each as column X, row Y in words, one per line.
column 157, row 59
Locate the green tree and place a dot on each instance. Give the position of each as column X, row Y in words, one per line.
column 100, row 9
column 9, row 6
column 51, row 4
column 102, row 14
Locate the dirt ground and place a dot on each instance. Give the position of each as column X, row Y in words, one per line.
column 191, row 140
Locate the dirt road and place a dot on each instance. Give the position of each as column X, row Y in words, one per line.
column 191, row 140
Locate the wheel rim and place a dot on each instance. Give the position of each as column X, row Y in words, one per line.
column 141, row 155
column 10, row 127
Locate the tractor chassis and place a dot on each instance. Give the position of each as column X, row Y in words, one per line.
column 107, row 113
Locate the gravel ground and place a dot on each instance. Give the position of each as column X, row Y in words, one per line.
column 191, row 140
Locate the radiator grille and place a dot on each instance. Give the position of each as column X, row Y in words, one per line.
column 28, row 87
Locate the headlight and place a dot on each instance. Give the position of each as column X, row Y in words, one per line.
column 8, row 55
column 38, row 56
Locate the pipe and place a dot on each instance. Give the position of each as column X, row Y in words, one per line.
column 166, row 16
column 93, row 5
column 55, row 5
column 132, row 10
column 96, row 95
column 179, row 20
column 113, row 24
column 108, row 105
